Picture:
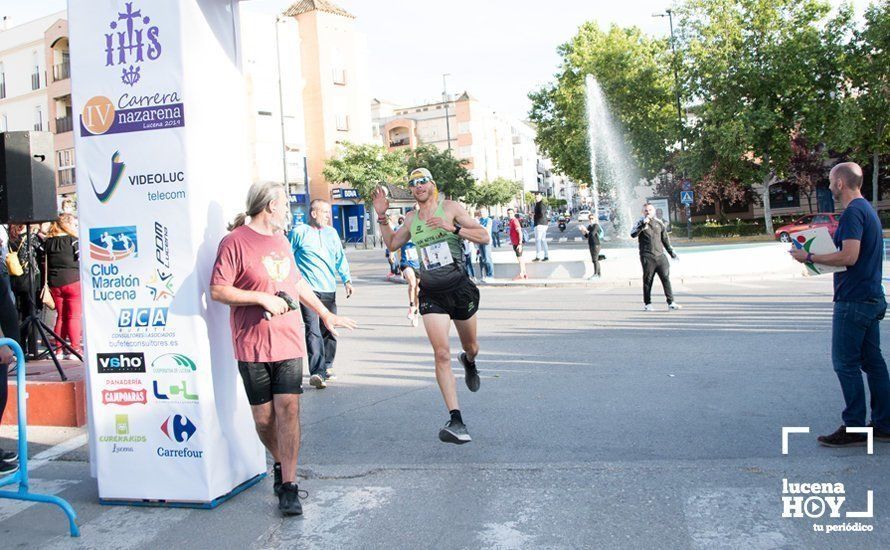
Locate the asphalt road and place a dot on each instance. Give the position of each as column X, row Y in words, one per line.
column 597, row 426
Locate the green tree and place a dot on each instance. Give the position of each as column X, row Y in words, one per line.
column 451, row 175
column 365, row 166
column 762, row 70
column 494, row 193
column 869, row 71
column 634, row 72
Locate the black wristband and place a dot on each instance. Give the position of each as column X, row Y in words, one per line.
column 457, row 228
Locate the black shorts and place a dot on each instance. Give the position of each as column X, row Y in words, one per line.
column 459, row 303
column 517, row 248
column 263, row 380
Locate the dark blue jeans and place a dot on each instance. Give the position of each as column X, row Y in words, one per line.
column 321, row 345
column 855, row 347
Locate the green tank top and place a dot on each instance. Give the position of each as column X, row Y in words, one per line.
column 440, row 254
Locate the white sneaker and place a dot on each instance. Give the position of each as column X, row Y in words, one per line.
column 410, row 315
column 317, row 382
column 648, row 307
column 674, row 305
column 487, row 279
column 415, row 319
column 593, row 277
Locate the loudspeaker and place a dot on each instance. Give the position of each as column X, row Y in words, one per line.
column 27, row 178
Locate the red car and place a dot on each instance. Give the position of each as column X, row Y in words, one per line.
column 810, row 221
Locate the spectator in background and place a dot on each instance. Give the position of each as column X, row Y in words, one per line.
column 496, row 227
column 319, row 255
column 25, row 290
column 542, row 220
column 486, row 267
column 8, row 459
column 653, row 241
column 516, row 241
column 594, row 233
column 469, row 250
column 63, row 278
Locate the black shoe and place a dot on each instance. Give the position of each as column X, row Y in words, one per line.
column 455, row 432
column 9, row 456
column 276, row 479
column 471, row 372
column 546, row 259
column 878, row 433
column 536, row 260
column 7, row 468
column 289, row 500
column 841, row 438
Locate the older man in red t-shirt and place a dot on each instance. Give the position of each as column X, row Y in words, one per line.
column 516, row 241
column 254, row 262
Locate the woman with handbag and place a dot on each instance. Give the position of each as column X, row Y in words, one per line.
column 63, row 279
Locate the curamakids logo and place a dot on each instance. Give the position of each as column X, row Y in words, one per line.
column 118, row 363
column 123, row 440
column 112, row 244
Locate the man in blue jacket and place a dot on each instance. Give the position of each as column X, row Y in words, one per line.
column 320, row 258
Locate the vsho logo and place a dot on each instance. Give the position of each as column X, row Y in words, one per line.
column 173, row 363
column 110, row 285
column 112, row 244
column 144, row 317
column 117, row 363
column 131, row 42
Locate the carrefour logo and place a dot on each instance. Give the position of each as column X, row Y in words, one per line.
column 112, row 244
column 173, row 363
column 178, row 428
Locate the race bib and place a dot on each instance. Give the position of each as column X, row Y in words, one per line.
column 411, row 254
column 436, row 255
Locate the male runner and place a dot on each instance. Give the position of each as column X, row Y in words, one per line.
column 446, row 292
column 254, row 262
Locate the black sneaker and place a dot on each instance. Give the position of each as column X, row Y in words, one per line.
column 841, row 438
column 7, row 468
column 878, row 433
column 276, row 479
column 472, row 373
column 9, row 456
column 289, row 499
column 536, row 260
column 455, row 432
column 546, row 259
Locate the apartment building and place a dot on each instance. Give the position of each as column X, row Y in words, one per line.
column 494, row 145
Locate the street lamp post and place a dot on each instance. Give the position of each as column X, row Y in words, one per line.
column 670, row 15
column 447, row 117
column 278, row 20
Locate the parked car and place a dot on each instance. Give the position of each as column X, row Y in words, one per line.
column 810, row 221
column 583, row 215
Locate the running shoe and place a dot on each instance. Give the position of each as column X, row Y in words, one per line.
column 7, row 468
column 546, row 259
column 674, row 305
column 415, row 319
column 840, row 438
column 276, row 479
column 329, row 375
column 455, row 432
column 317, row 382
column 289, row 499
column 471, row 372
column 9, row 456
column 648, row 307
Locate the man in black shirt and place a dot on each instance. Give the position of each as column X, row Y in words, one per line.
column 653, row 239
column 542, row 220
column 594, row 233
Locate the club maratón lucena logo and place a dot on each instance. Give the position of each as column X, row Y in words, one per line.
column 131, row 43
column 825, row 501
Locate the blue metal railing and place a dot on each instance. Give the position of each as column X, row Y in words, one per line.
column 21, row 476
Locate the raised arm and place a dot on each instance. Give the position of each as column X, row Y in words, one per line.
column 394, row 239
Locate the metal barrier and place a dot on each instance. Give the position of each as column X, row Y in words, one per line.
column 21, row 476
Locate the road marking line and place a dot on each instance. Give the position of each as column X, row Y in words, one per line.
column 123, row 527
column 9, row 508
column 45, row 457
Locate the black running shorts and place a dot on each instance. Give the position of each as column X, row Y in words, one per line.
column 263, row 380
column 459, row 303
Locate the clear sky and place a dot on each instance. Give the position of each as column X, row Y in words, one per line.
column 498, row 50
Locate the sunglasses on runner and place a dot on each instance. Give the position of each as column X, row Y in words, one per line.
column 418, row 181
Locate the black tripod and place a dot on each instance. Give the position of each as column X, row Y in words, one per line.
column 33, row 322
